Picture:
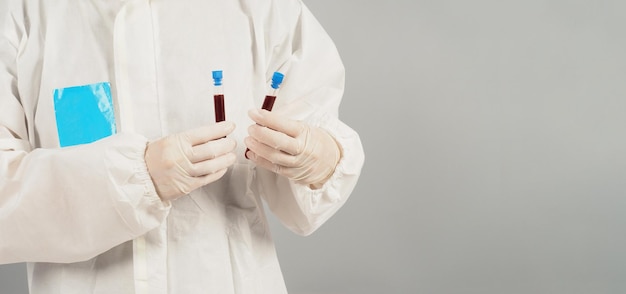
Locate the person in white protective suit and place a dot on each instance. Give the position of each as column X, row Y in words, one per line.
column 168, row 203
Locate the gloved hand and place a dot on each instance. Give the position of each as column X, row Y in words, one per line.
column 305, row 154
column 183, row 162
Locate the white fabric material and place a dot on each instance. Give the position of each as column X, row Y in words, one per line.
column 73, row 213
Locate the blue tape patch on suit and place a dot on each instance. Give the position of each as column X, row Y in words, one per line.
column 84, row 114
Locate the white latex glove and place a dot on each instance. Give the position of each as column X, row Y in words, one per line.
column 183, row 162
column 305, row 154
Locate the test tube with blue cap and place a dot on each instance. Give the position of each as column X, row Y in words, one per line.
column 270, row 98
column 218, row 96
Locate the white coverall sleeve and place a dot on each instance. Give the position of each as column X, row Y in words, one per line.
column 312, row 91
column 71, row 204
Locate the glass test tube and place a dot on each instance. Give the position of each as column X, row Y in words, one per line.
column 270, row 98
column 218, row 96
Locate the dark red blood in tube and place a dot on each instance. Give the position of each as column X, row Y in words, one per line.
column 268, row 103
column 220, row 114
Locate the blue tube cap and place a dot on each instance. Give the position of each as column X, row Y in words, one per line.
column 277, row 79
column 217, row 77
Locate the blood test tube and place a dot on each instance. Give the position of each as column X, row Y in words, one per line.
column 270, row 98
column 218, row 96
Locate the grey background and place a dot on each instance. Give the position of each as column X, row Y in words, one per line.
column 495, row 151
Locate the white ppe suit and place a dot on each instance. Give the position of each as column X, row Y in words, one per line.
column 87, row 218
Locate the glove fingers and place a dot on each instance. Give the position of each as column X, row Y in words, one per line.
column 299, row 174
column 212, row 166
column 277, row 122
column 207, row 133
column 187, row 184
column 210, row 178
column 275, row 139
column 264, row 163
column 270, row 154
column 305, row 154
column 182, row 162
column 211, row 149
